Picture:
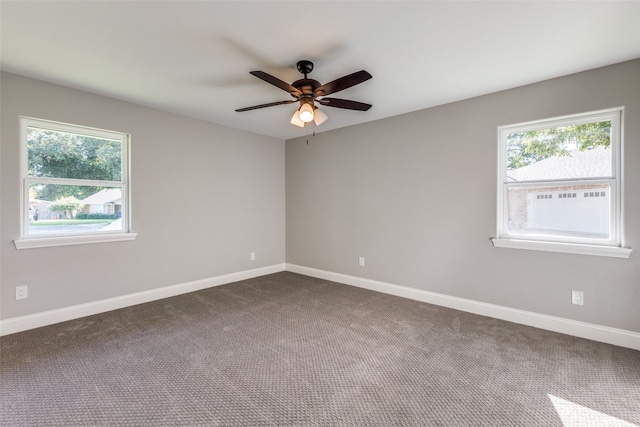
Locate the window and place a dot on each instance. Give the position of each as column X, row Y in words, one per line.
column 559, row 185
column 74, row 185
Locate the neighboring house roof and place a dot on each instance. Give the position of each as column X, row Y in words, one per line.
column 595, row 162
column 39, row 202
column 102, row 197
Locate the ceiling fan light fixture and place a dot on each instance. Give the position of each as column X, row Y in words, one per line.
column 306, row 113
column 295, row 120
column 319, row 117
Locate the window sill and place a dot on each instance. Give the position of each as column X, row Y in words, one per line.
column 569, row 248
column 46, row 242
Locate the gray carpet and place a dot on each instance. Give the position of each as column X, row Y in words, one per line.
column 290, row 350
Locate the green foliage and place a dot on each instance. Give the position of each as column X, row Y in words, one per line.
column 33, row 193
column 529, row 147
column 67, row 205
column 56, row 154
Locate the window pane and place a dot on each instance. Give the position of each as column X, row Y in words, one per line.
column 568, row 152
column 68, row 209
column 576, row 211
column 56, row 154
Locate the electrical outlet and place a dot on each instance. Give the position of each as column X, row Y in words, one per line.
column 22, row 292
column 252, row 256
column 361, row 261
column 577, row 297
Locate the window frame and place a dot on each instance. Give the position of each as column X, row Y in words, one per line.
column 614, row 246
column 27, row 240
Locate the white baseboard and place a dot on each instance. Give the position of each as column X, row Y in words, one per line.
column 23, row 323
column 619, row 337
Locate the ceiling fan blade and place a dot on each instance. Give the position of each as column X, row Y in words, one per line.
column 342, row 83
column 271, row 104
column 344, row 103
column 276, row 82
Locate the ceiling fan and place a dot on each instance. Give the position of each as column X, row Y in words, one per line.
column 308, row 92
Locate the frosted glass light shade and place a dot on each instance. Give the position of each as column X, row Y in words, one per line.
column 306, row 113
column 319, row 117
column 295, row 120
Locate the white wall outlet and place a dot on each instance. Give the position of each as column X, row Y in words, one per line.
column 22, row 292
column 577, row 297
column 361, row 261
column 252, row 256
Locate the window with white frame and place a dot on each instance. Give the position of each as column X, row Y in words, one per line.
column 559, row 185
column 75, row 184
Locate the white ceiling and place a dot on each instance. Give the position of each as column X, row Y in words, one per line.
column 194, row 57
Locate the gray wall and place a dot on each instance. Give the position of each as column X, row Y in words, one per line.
column 416, row 196
column 203, row 197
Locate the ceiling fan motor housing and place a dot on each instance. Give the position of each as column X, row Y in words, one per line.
column 306, row 86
